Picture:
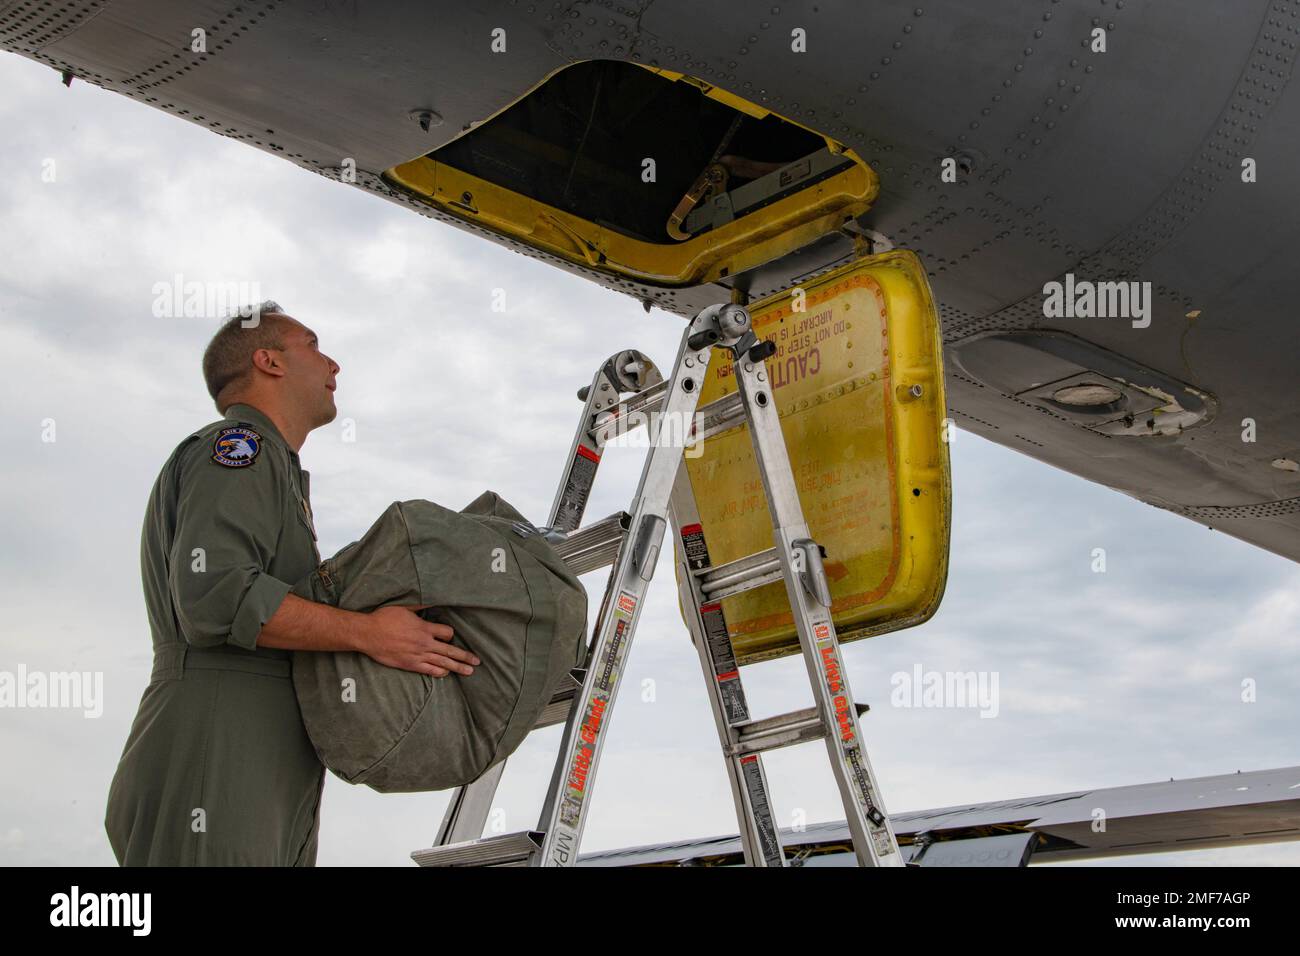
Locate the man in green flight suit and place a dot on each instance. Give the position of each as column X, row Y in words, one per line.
column 218, row 768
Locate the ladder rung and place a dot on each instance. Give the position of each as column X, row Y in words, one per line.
column 783, row 730
column 557, row 711
column 743, row 574
column 721, row 415
column 595, row 546
column 714, row 418
column 505, row 850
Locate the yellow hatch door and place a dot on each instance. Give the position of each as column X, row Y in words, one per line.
column 858, row 383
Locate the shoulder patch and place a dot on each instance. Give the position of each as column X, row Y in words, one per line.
column 236, row 447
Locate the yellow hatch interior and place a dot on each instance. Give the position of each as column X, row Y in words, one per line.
column 644, row 173
column 858, row 384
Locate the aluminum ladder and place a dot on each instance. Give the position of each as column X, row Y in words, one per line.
column 631, row 542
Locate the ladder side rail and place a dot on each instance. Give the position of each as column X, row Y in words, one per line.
column 470, row 805
column 584, row 457
column 810, row 602
column 707, row 624
column 624, row 371
column 569, row 796
column 468, row 810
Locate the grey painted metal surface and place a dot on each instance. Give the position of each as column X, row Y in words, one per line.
column 1261, row 806
column 1122, row 165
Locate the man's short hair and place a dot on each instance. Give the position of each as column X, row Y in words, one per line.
column 229, row 356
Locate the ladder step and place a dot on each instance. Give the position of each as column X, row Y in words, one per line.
column 557, row 711
column 509, row 849
column 722, row 415
column 595, row 546
column 712, row 419
column 743, row 574
column 783, row 730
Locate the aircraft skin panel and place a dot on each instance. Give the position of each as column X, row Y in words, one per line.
column 1123, row 165
column 1238, row 809
column 1146, row 817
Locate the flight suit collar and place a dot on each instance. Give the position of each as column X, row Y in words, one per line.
column 249, row 414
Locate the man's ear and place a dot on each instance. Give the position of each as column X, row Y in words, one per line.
column 268, row 361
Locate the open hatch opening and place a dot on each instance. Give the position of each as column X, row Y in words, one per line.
column 646, row 173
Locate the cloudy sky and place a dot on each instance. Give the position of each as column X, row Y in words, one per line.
column 1108, row 679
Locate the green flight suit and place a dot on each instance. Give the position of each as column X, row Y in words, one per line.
column 218, row 768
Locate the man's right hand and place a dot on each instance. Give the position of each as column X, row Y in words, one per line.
column 398, row 637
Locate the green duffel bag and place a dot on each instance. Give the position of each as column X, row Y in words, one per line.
column 509, row 599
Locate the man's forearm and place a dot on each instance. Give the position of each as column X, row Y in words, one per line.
column 302, row 625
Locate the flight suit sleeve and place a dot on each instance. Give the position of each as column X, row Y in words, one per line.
column 228, row 523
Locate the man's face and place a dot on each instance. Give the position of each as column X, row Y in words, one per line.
column 309, row 373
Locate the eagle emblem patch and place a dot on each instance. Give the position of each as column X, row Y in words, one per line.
column 236, row 447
